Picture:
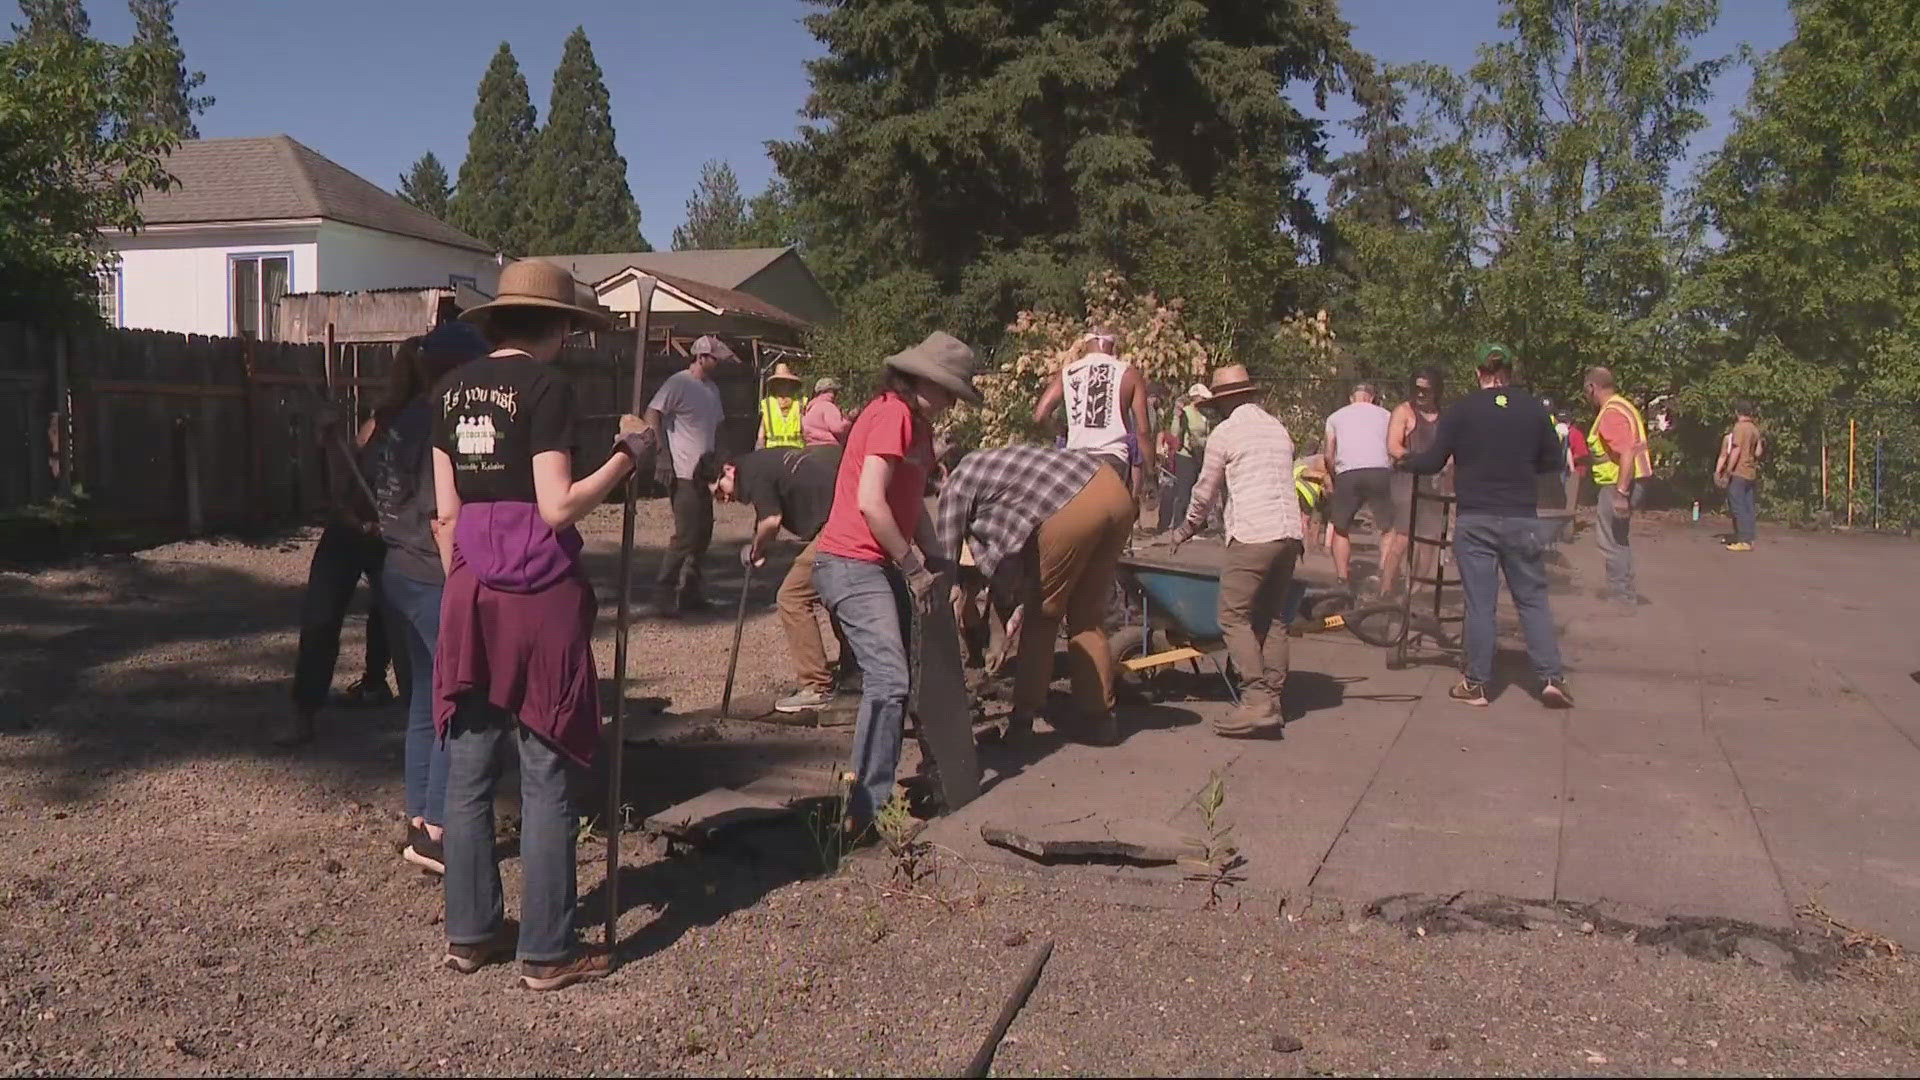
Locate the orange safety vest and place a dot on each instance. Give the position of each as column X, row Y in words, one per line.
column 1605, row 469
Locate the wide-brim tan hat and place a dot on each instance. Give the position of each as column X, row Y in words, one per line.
column 1231, row 381
column 782, row 373
column 943, row 360
column 534, row 283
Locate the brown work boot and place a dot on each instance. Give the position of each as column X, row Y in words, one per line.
column 587, row 962
column 1257, row 715
column 467, row 959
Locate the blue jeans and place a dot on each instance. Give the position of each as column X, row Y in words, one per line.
column 1486, row 546
column 547, row 836
column 1740, row 504
column 415, row 610
column 870, row 602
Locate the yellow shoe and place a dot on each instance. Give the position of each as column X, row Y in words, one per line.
column 1740, row 547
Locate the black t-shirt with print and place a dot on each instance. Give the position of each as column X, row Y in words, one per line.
column 492, row 415
column 795, row 484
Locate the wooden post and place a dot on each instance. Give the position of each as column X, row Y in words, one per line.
column 615, row 736
column 63, row 414
column 327, row 374
column 1853, row 441
column 190, row 460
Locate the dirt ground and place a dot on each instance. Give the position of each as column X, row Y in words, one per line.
column 178, row 899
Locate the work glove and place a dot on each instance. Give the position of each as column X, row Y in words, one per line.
column 637, row 439
column 923, row 582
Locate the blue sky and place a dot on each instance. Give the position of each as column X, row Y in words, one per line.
column 373, row 84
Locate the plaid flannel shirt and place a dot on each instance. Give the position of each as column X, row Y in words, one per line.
column 1251, row 452
column 995, row 499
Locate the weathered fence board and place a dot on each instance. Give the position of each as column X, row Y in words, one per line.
column 147, row 407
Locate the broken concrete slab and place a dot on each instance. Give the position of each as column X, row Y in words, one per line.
column 1092, row 837
column 710, row 813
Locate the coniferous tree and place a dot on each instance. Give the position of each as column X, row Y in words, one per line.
column 425, row 186
column 577, row 195
column 489, row 200
column 166, row 96
column 52, row 18
column 716, row 214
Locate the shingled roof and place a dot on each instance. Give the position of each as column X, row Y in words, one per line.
column 725, row 267
column 275, row 178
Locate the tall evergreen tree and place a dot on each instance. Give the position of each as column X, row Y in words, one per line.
column 489, row 201
column 716, row 214
column 425, row 186
column 577, row 193
column 167, row 97
column 1002, row 151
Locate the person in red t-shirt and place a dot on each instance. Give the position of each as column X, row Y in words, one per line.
column 866, row 568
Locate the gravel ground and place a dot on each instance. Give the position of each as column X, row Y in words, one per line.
column 178, row 900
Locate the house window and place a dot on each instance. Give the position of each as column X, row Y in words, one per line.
column 106, row 294
column 259, row 281
column 454, row 281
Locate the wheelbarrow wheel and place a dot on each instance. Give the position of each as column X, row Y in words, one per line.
column 1130, row 642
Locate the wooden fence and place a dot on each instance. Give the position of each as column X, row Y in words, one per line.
column 221, row 432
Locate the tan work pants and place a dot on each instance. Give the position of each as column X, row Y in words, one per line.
column 1071, row 562
column 800, row 606
column 1253, row 592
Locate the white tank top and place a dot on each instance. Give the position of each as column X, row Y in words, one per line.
column 1096, row 422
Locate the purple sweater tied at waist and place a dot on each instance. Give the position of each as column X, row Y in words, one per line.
column 510, row 548
column 516, row 627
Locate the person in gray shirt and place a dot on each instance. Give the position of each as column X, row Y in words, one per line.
column 687, row 410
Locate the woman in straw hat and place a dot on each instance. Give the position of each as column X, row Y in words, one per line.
column 780, row 410
column 866, row 566
column 514, row 662
column 1250, row 453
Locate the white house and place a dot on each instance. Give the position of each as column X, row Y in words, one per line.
column 251, row 220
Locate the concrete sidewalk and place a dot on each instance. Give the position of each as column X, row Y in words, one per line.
column 1745, row 743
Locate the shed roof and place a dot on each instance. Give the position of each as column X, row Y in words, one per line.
column 722, row 301
column 275, row 177
column 724, row 267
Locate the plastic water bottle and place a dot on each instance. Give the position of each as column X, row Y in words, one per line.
column 1696, row 509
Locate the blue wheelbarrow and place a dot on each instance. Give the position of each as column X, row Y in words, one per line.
column 1179, row 617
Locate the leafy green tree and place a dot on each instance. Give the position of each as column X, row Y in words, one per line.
column 169, row 99
column 425, row 186
column 1004, row 148
column 716, row 214
column 489, row 201
column 577, row 193
column 1810, row 302
column 773, row 218
column 1578, row 119
column 71, row 163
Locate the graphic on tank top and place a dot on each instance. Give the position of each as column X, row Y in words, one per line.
column 1093, row 392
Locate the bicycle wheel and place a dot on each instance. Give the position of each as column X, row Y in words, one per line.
column 1379, row 624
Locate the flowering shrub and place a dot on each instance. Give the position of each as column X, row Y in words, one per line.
column 1150, row 333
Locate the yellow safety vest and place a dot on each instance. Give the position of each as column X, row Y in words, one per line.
column 1605, row 471
column 783, row 428
column 1308, row 490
